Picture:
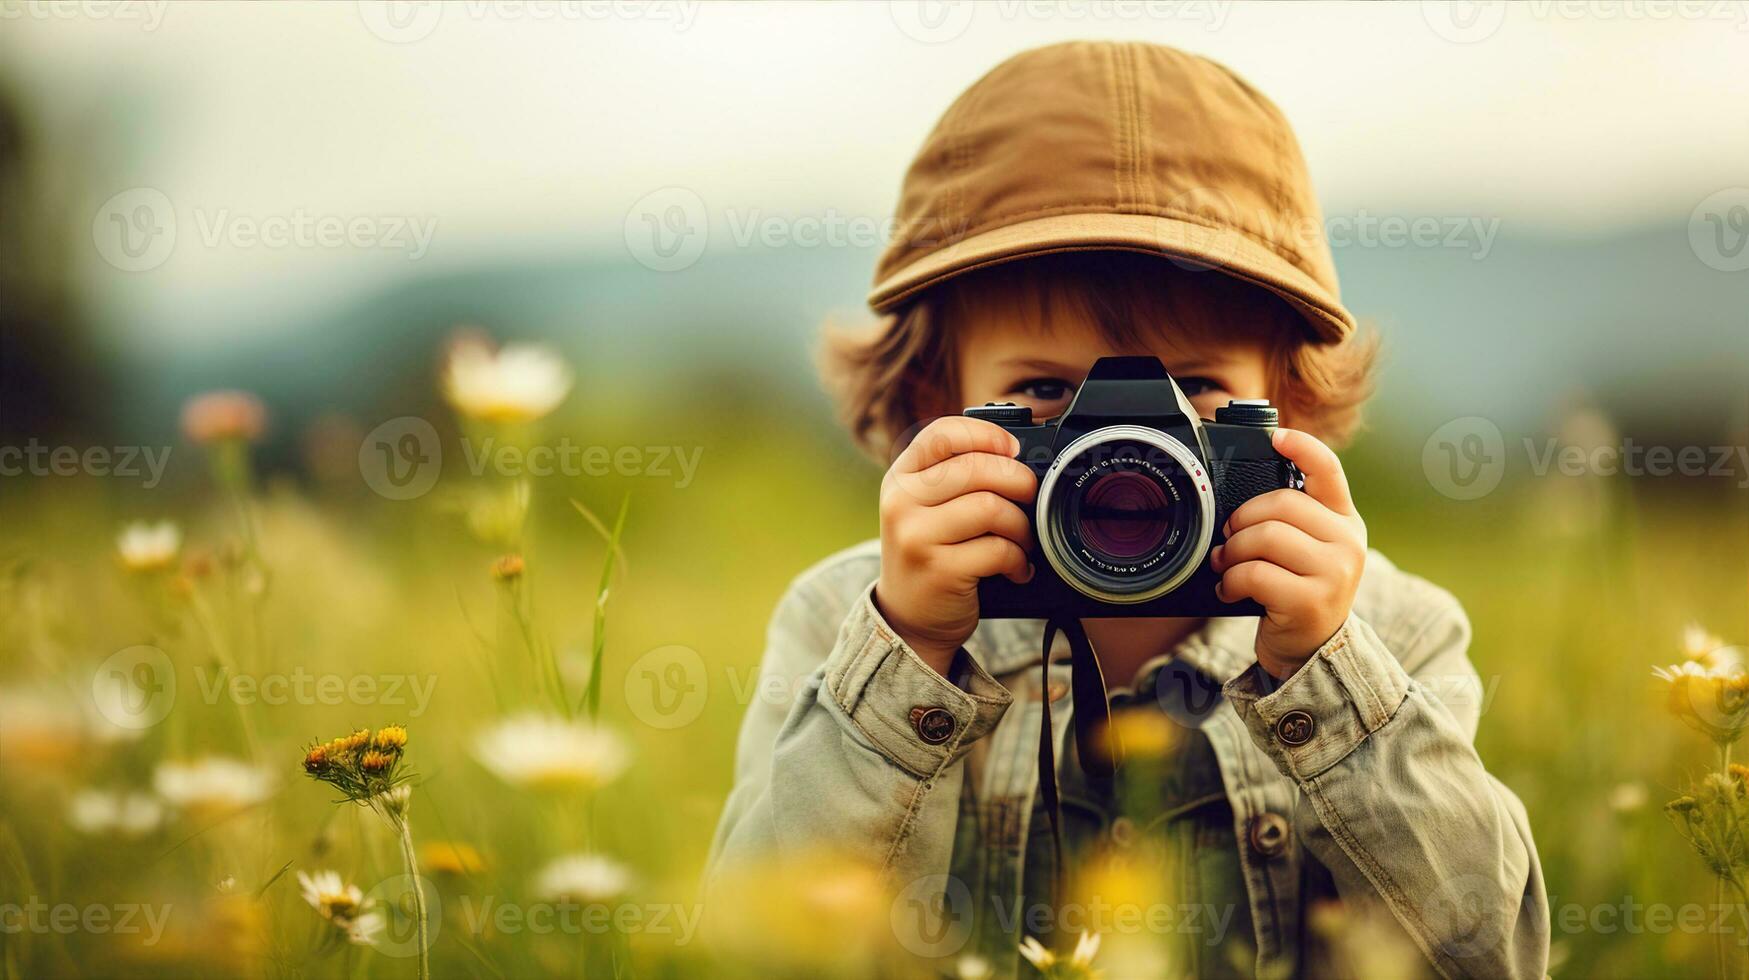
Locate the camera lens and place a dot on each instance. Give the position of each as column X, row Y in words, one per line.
column 1125, row 514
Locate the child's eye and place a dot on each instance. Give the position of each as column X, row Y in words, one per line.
column 1193, row 386
column 1044, row 389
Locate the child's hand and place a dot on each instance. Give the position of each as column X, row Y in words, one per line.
column 949, row 517
column 1298, row 554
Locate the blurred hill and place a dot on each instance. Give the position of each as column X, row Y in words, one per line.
column 1633, row 323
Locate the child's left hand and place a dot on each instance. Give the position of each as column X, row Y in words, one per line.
column 1299, row 555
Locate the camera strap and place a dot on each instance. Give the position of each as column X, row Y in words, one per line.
column 1096, row 745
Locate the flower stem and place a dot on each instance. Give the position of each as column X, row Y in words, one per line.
column 598, row 642
column 222, row 652
column 546, row 666
column 1719, row 885
column 1719, row 934
column 404, row 830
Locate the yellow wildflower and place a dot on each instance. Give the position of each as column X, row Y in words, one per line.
column 451, row 858
column 376, row 763
column 390, row 738
column 508, row 568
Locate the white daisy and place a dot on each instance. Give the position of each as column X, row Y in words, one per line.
column 1627, row 797
column 335, row 899
column 1699, row 643
column 1710, row 695
column 212, row 787
column 1079, row 963
column 367, row 928
column 538, row 750
column 973, row 967
column 519, row 383
column 145, row 547
column 583, row 878
column 114, row 813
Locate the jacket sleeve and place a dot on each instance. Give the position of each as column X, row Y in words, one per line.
column 841, row 767
column 1393, row 798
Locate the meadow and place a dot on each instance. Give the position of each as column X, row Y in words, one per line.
column 212, row 737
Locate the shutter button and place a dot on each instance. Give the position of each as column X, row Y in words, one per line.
column 1295, row 728
column 934, row 725
column 1269, row 834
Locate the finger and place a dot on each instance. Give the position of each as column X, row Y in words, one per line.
column 990, row 555
column 982, row 512
column 1325, row 480
column 1276, row 542
column 967, row 473
column 1270, row 585
column 952, row 435
column 1289, row 507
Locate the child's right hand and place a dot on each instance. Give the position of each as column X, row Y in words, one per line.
column 951, row 515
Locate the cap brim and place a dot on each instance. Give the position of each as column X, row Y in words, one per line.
column 1195, row 246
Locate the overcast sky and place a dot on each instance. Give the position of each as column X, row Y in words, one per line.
column 512, row 123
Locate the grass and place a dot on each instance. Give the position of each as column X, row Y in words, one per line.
column 1569, row 615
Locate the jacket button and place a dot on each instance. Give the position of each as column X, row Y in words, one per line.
column 1295, row 728
column 1269, row 834
column 934, row 725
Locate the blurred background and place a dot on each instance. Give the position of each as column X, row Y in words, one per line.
column 1543, row 208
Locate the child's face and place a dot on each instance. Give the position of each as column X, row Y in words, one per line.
column 1039, row 358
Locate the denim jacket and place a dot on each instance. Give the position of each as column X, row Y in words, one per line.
column 1355, row 779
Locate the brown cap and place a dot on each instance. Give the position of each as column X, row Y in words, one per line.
column 1100, row 145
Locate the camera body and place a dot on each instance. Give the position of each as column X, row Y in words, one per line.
column 1133, row 491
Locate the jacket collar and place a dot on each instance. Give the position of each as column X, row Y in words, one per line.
column 1220, row 649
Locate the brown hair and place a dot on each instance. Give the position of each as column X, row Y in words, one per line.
column 902, row 372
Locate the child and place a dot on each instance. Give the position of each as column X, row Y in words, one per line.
column 1081, row 201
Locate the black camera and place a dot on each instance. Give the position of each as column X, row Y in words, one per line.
column 1133, row 490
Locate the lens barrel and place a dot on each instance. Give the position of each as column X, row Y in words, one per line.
column 1125, row 514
